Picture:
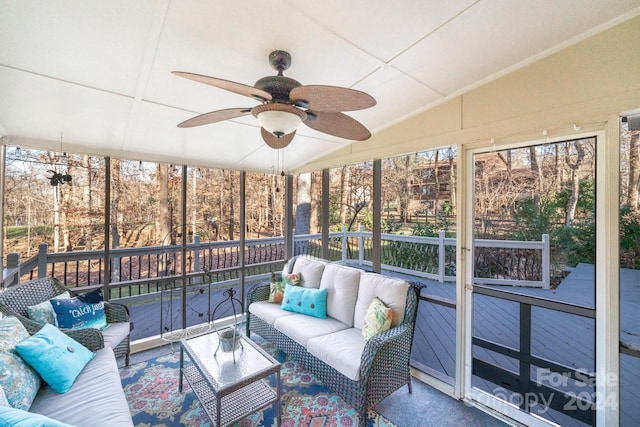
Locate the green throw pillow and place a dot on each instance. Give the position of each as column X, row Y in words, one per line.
column 310, row 301
column 377, row 319
column 293, row 279
column 276, row 289
column 57, row 357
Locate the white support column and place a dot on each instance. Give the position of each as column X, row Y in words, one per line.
column 376, row 257
column 325, row 213
column 608, row 275
column 3, row 158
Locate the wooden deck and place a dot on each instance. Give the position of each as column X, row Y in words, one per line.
column 560, row 337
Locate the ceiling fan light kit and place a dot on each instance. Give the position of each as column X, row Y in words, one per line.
column 285, row 103
column 279, row 119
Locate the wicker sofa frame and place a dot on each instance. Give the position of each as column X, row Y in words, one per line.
column 15, row 300
column 384, row 364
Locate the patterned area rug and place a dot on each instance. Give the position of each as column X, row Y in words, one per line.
column 151, row 388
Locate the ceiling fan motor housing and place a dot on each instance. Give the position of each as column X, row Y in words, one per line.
column 278, row 86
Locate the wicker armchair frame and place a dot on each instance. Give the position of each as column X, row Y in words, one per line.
column 15, row 300
column 384, row 364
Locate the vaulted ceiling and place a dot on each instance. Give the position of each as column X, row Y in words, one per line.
column 94, row 76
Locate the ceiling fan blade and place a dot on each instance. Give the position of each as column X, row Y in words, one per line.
column 239, row 88
column 274, row 142
column 215, row 116
column 330, row 98
column 337, row 124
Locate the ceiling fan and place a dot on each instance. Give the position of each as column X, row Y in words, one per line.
column 285, row 103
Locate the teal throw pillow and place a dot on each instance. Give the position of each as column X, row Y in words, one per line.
column 57, row 357
column 19, row 381
column 74, row 313
column 19, row 418
column 310, row 301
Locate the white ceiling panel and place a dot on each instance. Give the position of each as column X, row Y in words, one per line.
column 99, row 72
column 36, row 107
column 382, row 28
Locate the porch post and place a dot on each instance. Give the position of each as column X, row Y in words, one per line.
column 3, row 158
column 107, row 218
column 288, row 218
column 325, row 213
column 183, row 242
column 243, row 230
column 377, row 227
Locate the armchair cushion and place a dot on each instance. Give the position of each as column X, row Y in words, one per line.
column 58, row 358
column 19, row 381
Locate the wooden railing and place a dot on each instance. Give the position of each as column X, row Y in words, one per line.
column 135, row 271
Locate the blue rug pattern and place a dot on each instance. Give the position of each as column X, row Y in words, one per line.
column 151, row 388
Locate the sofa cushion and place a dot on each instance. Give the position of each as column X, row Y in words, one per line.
column 57, row 357
column 390, row 290
column 309, row 301
column 301, row 328
column 19, row 380
column 310, row 271
column 20, row 418
column 342, row 284
column 43, row 312
column 267, row 311
column 95, row 399
column 377, row 319
column 341, row 350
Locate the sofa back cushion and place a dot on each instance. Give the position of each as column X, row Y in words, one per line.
column 342, row 284
column 390, row 290
column 310, row 271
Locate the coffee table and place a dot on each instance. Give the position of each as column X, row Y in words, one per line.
column 228, row 390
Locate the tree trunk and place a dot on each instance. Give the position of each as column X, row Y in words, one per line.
column 344, row 194
column 87, row 233
column 232, row 212
column 303, row 204
column 535, row 168
column 452, row 181
column 163, row 220
column 633, row 189
column 574, row 164
column 315, row 190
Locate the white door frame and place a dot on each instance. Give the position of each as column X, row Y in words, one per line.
column 607, row 276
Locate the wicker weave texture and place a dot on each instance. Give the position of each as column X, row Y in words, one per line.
column 384, row 364
column 15, row 300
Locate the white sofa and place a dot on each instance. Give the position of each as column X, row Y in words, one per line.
column 333, row 348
